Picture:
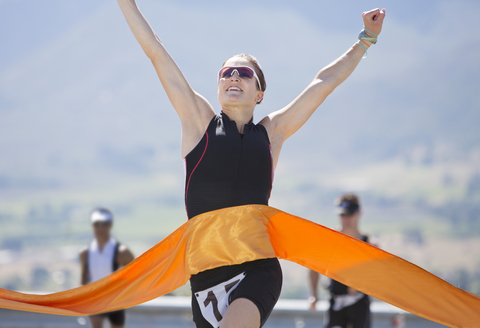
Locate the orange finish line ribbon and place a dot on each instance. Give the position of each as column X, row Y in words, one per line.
column 246, row 233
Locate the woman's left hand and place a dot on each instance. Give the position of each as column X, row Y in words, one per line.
column 373, row 20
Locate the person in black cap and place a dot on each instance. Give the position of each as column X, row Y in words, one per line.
column 348, row 307
column 103, row 256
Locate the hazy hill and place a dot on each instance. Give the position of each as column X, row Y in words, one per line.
column 85, row 122
column 81, row 106
column 80, row 103
column 87, row 94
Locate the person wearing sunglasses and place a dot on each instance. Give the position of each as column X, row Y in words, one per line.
column 230, row 161
column 348, row 307
column 103, row 256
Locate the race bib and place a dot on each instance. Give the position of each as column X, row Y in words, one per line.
column 213, row 302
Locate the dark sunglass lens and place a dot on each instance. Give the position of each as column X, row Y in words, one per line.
column 226, row 72
column 245, row 72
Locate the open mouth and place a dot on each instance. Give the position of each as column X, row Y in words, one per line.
column 234, row 88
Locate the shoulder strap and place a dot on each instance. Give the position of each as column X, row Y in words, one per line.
column 115, row 264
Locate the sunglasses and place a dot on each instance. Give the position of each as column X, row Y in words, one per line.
column 242, row 71
column 102, row 224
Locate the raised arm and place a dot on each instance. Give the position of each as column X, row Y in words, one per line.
column 285, row 122
column 194, row 111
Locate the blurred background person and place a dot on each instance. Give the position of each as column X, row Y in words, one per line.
column 348, row 307
column 103, row 256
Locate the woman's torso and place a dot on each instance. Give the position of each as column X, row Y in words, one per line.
column 227, row 168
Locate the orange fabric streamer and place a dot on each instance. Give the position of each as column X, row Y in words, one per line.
column 246, row 233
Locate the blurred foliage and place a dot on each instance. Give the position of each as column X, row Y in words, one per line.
column 463, row 215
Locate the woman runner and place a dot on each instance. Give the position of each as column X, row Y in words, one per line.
column 230, row 160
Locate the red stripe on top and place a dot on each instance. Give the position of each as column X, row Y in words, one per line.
column 190, row 177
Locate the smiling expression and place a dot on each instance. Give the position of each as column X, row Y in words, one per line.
column 237, row 91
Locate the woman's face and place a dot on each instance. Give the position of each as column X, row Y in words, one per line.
column 234, row 91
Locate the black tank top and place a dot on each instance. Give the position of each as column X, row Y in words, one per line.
column 227, row 168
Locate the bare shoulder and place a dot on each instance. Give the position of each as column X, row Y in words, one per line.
column 124, row 255
column 268, row 123
column 122, row 249
column 275, row 135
